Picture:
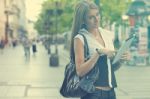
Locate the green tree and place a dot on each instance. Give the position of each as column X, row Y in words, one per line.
column 112, row 11
column 46, row 23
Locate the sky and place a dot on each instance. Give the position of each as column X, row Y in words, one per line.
column 33, row 8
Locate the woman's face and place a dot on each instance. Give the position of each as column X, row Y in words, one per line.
column 92, row 20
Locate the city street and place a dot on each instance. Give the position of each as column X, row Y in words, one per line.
column 35, row 79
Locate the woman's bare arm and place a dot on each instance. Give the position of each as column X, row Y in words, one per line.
column 83, row 67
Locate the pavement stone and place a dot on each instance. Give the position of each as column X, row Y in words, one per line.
column 12, row 91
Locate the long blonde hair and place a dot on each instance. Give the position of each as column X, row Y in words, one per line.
column 79, row 20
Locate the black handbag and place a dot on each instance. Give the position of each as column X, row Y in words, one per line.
column 71, row 83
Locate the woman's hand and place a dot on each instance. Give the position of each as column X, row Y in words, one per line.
column 126, row 56
column 109, row 53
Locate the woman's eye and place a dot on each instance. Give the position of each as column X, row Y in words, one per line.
column 91, row 17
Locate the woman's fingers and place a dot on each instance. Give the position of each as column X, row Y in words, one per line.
column 109, row 53
column 126, row 56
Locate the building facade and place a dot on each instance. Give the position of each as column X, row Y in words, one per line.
column 13, row 18
column 2, row 19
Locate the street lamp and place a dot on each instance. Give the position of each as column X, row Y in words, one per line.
column 124, row 18
column 116, row 38
column 148, row 40
column 57, row 12
column 54, row 58
column 56, row 24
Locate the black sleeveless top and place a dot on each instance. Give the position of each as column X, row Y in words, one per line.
column 106, row 75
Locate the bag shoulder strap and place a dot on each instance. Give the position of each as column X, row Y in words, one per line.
column 86, row 49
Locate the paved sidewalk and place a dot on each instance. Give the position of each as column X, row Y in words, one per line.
column 37, row 80
column 30, row 80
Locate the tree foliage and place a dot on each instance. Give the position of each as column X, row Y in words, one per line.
column 110, row 10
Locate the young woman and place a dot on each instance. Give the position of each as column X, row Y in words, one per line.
column 98, row 69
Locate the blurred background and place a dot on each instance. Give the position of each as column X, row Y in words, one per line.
column 35, row 40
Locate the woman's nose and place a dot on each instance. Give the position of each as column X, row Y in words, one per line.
column 96, row 19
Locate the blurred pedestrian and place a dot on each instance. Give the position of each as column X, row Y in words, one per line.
column 14, row 43
column 2, row 45
column 26, row 44
column 34, row 48
column 47, row 46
